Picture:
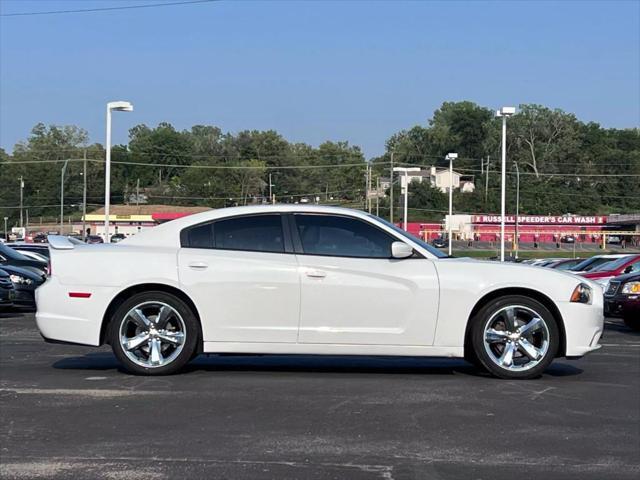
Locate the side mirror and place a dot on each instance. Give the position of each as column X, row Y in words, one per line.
column 401, row 250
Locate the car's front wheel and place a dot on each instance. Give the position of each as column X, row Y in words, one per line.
column 515, row 337
column 154, row 333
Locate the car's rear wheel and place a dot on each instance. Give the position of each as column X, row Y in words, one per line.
column 515, row 337
column 154, row 333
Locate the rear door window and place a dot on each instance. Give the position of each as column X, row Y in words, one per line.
column 252, row 233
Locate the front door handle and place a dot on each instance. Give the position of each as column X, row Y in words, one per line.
column 198, row 265
column 316, row 273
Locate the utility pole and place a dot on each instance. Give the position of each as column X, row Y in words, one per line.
column 138, row 196
column 21, row 188
column 84, row 197
column 391, row 189
column 377, row 196
column 369, row 187
column 517, row 246
column 486, row 180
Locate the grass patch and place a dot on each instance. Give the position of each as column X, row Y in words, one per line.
column 525, row 254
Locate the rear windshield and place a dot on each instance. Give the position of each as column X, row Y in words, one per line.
column 612, row 265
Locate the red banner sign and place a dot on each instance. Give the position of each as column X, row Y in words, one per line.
column 542, row 220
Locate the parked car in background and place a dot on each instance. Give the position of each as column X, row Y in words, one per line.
column 118, row 237
column 8, row 256
column 33, row 255
column 565, row 264
column 621, row 266
column 294, row 279
column 543, row 262
column 589, row 264
column 7, row 291
column 622, row 299
column 40, row 237
column 40, row 249
column 614, row 240
column 25, row 282
column 568, row 239
column 94, row 239
column 440, row 242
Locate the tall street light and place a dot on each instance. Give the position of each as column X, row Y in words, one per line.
column 406, row 171
column 504, row 112
column 451, row 157
column 62, row 172
column 118, row 107
column 517, row 246
column 6, row 234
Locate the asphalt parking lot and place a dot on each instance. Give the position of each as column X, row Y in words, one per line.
column 68, row 412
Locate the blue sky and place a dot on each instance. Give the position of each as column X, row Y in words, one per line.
column 314, row 71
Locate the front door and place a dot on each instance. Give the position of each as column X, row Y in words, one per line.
column 247, row 289
column 353, row 292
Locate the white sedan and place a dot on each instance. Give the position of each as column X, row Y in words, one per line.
column 294, row 279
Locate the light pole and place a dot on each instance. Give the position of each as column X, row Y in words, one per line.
column 451, row 157
column 391, row 189
column 406, row 171
column 118, row 107
column 62, row 172
column 6, row 234
column 517, row 246
column 21, row 189
column 504, row 112
column 84, row 197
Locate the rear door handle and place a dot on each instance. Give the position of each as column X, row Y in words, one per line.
column 198, row 265
column 316, row 273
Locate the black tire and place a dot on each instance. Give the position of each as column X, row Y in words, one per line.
column 189, row 323
column 632, row 323
column 486, row 314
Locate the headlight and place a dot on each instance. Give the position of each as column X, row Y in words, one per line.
column 20, row 280
column 631, row 288
column 582, row 294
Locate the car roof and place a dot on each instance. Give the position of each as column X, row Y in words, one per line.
column 167, row 233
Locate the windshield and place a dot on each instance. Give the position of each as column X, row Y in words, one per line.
column 432, row 250
column 614, row 264
column 8, row 252
column 590, row 263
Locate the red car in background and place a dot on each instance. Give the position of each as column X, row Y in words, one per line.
column 621, row 266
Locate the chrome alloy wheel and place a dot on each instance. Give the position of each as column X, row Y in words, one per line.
column 152, row 334
column 516, row 338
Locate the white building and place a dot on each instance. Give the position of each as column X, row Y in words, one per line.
column 438, row 177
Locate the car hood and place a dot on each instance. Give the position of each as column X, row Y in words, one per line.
column 629, row 277
column 494, row 274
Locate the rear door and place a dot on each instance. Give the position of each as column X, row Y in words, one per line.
column 243, row 277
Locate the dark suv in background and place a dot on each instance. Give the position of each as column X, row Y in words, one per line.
column 622, row 299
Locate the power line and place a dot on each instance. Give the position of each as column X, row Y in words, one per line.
column 207, row 167
column 105, row 9
column 559, row 174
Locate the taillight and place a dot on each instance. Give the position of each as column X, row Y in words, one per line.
column 47, row 269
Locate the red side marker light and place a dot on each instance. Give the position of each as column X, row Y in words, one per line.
column 79, row 294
